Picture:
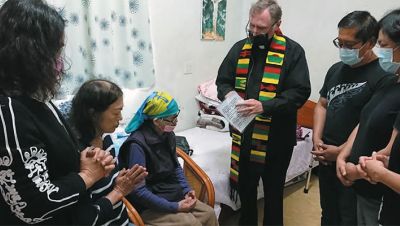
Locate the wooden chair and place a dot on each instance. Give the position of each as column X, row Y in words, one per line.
column 132, row 213
column 197, row 179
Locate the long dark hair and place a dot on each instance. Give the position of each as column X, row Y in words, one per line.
column 92, row 98
column 31, row 38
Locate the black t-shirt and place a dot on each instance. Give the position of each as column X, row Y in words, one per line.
column 391, row 199
column 376, row 126
column 347, row 90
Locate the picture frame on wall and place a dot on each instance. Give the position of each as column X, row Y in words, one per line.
column 213, row 20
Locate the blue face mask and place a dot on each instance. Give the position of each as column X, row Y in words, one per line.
column 350, row 56
column 386, row 59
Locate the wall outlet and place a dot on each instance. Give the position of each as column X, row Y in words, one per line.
column 188, row 69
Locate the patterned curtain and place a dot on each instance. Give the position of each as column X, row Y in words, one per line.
column 107, row 39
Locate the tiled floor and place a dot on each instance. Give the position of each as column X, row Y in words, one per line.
column 299, row 208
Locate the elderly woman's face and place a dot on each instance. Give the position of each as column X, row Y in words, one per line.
column 109, row 119
column 167, row 124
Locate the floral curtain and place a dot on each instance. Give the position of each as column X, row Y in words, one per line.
column 107, row 39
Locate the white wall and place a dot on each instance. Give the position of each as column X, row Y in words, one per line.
column 175, row 27
column 314, row 26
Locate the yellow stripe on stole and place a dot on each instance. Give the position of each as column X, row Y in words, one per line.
column 247, row 46
column 234, row 157
column 259, row 136
column 279, row 38
column 275, row 54
column 244, row 61
column 236, row 139
column 234, row 172
column 270, row 81
column 258, row 153
column 258, row 118
column 267, row 94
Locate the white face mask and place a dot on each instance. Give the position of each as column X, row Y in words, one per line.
column 168, row 128
column 165, row 127
column 386, row 59
column 350, row 56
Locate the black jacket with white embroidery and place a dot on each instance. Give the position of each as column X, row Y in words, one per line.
column 39, row 166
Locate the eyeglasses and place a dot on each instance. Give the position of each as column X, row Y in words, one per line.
column 340, row 44
column 261, row 30
column 173, row 119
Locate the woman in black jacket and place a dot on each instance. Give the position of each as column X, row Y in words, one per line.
column 43, row 174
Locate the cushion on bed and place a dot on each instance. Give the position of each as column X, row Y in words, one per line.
column 133, row 98
column 212, row 122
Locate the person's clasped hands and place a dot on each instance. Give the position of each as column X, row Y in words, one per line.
column 373, row 167
column 341, row 171
column 128, row 179
column 347, row 172
column 188, row 203
column 325, row 153
column 370, row 168
column 95, row 164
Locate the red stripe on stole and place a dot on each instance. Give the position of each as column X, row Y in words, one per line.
column 235, row 148
column 234, row 165
column 245, row 53
column 268, row 87
column 233, row 177
column 273, row 70
column 274, row 45
column 242, row 95
column 261, row 126
column 241, row 71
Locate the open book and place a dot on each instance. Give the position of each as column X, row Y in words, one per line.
column 228, row 109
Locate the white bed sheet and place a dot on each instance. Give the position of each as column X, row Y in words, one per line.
column 211, row 151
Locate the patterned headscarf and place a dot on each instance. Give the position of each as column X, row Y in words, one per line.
column 157, row 105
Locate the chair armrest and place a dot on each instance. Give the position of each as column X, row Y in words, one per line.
column 132, row 213
column 197, row 179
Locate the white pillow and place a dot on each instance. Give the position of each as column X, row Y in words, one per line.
column 133, row 98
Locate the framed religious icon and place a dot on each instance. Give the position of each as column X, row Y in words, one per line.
column 213, row 20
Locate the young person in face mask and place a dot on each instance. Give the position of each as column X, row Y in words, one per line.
column 165, row 196
column 269, row 71
column 349, row 85
column 389, row 42
column 379, row 115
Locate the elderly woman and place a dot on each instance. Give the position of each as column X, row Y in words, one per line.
column 96, row 110
column 43, row 175
column 165, row 197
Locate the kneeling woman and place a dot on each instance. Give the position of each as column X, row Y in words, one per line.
column 165, row 196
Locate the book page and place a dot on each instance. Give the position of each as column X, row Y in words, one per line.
column 228, row 109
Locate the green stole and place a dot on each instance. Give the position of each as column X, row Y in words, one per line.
column 268, row 87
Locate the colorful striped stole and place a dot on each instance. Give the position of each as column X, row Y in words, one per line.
column 268, row 87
